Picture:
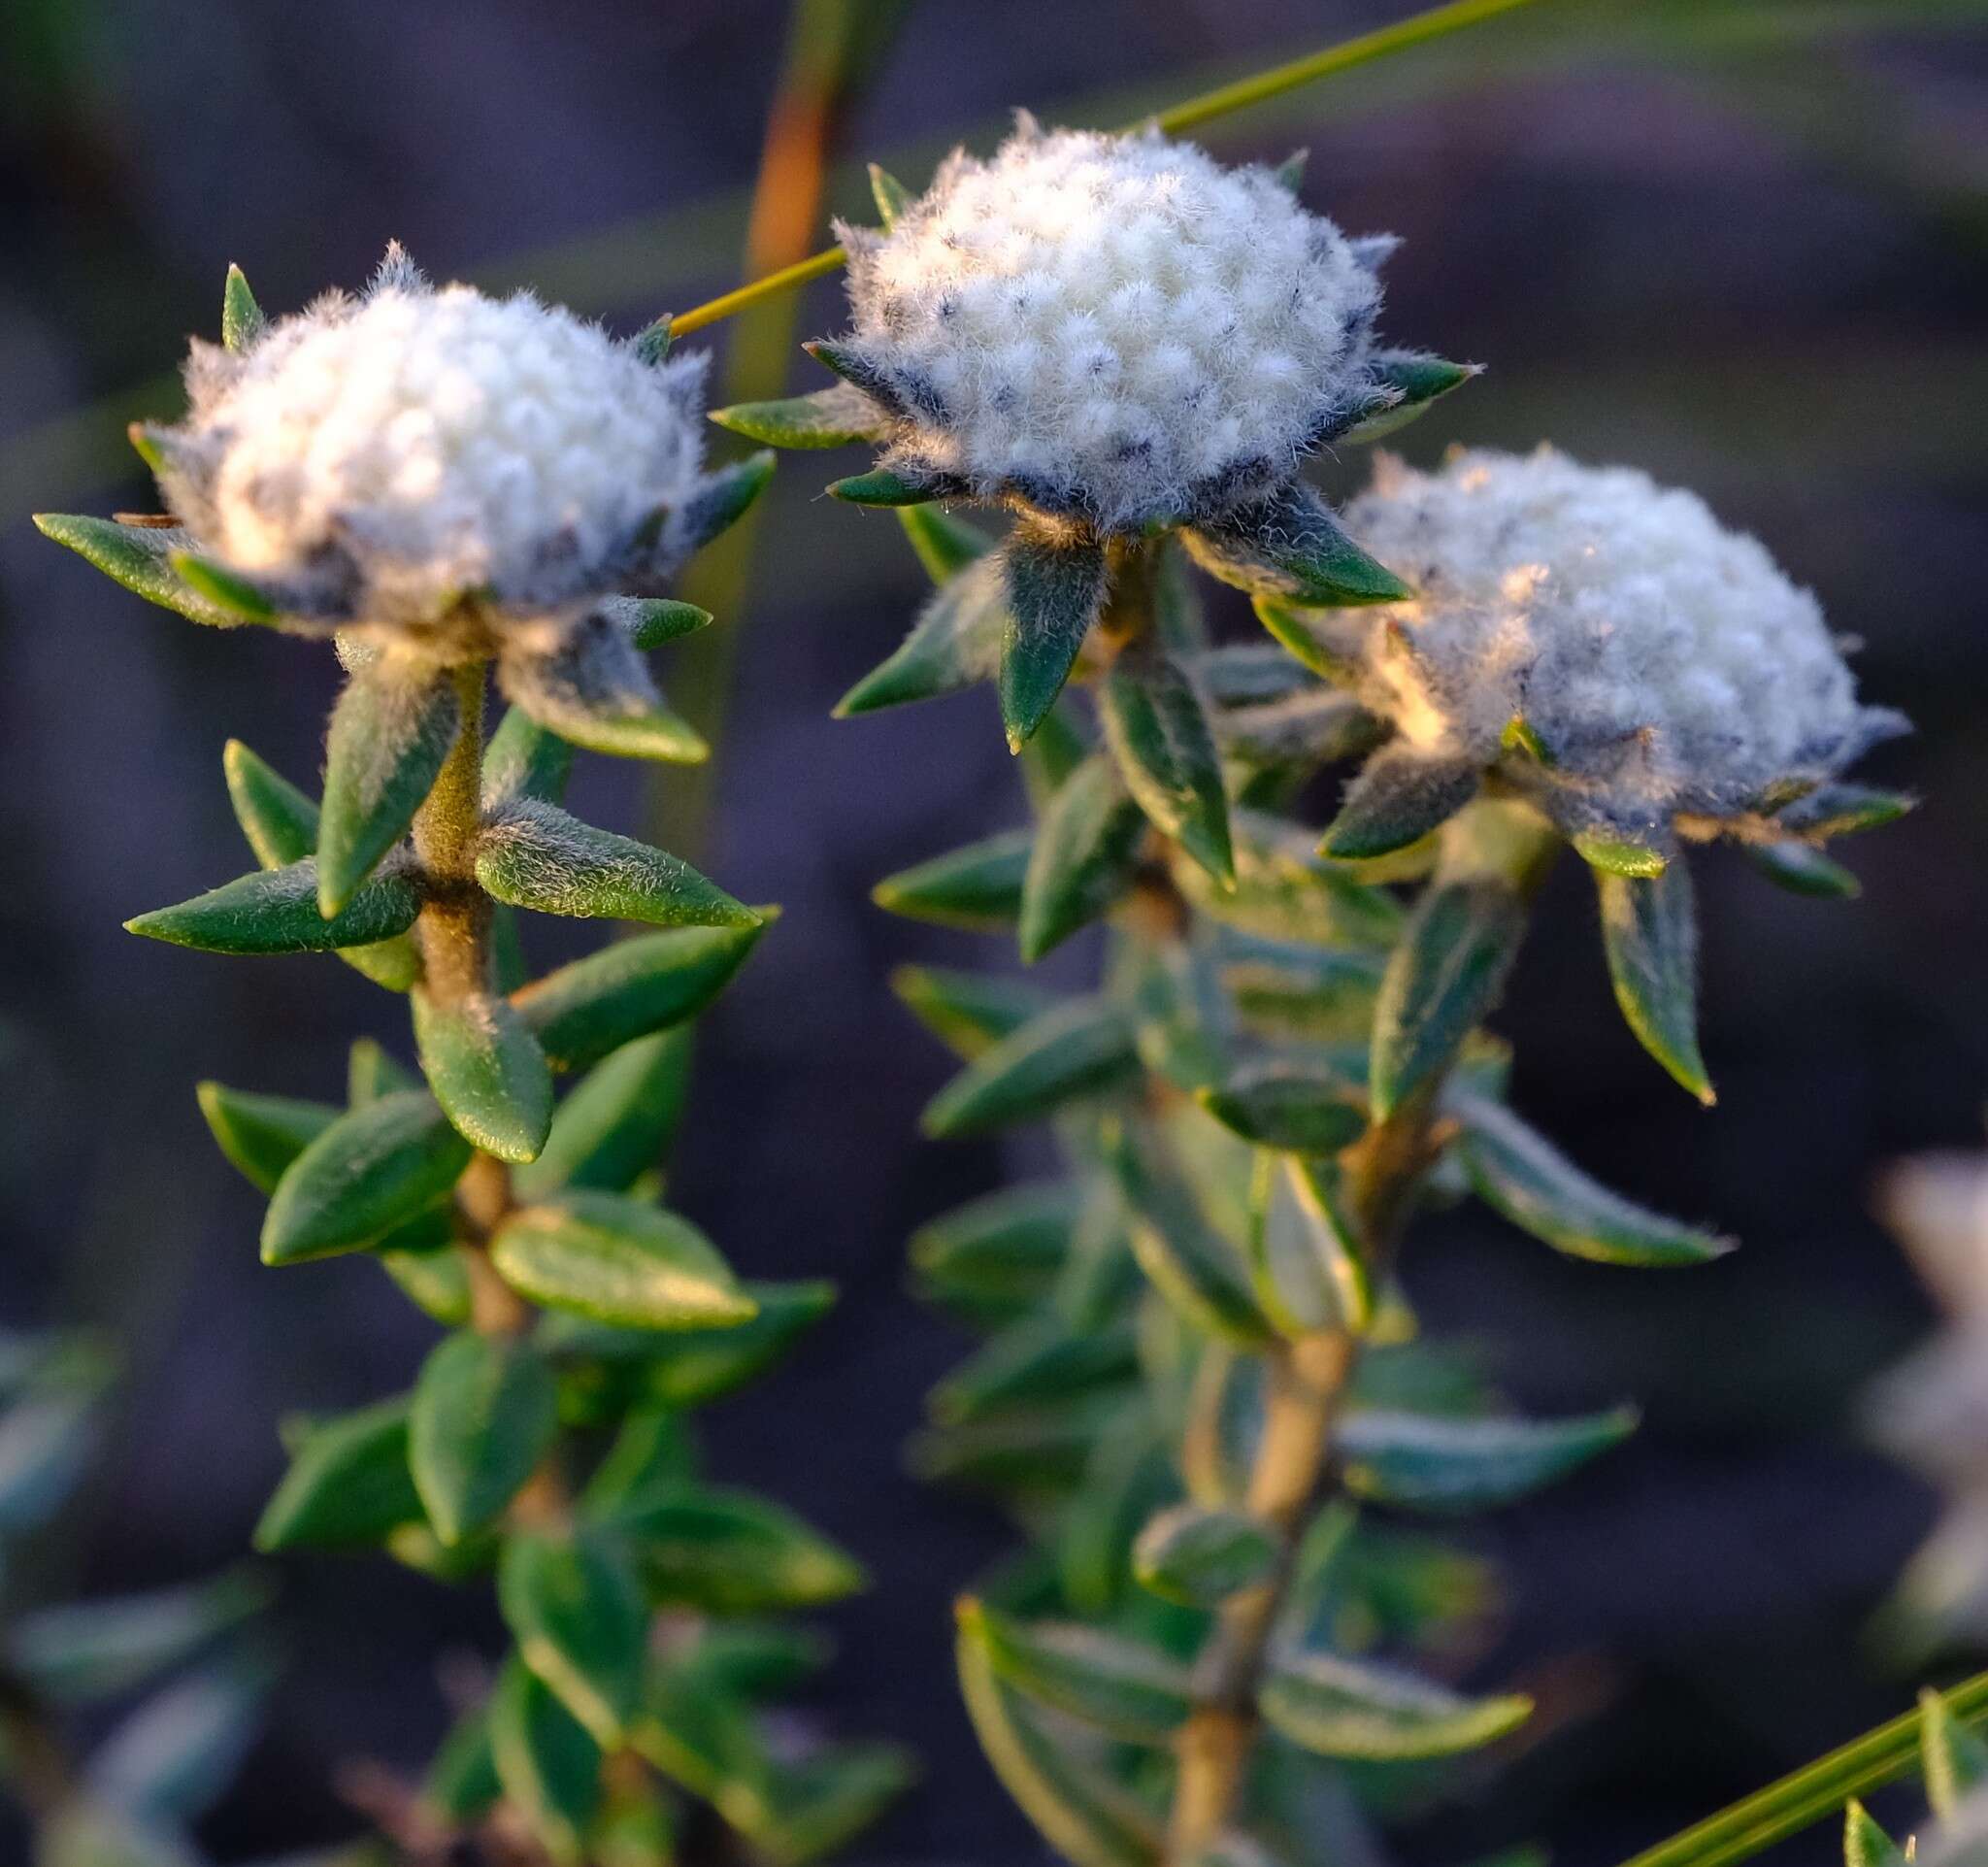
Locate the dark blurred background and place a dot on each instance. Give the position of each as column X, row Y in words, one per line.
column 1742, row 246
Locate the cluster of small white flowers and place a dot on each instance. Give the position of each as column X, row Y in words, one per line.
column 438, row 442
column 1113, row 325
column 1666, row 664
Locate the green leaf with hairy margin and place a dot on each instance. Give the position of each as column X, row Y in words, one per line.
column 1289, row 544
column 1055, row 587
column 524, row 759
column 274, row 911
column 534, row 855
column 1287, row 1106
column 617, row 1260
column 1200, row 1556
column 1088, row 1816
column 1158, row 732
column 1519, row 1173
column 1307, row 1264
column 830, row 417
column 955, row 642
column 1285, row 891
column 1399, row 798
column 549, row 1767
column 1432, row 1463
column 591, row 687
column 261, row 1134
column 1081, row 859
column 1129, row 1691
column 1440, row 982
column 731, row 1553
column 1353, row 1708
column 724, row 498
column 348, row 1485
column 1197, row 1271
column 370, row 1171
column 139, row 558
column 1865, row 1843
column 1953, row 1759
column 1417, row 378
column 617, row 1121
column 589, row 1009
column 241, row 318
column 1840, row 809
column 1649, row 931
column 890, row 194
column 1803, row 869
column 969, row 1013
column 650, row 621
column 390, row 735
column 487, row 1072
column 573, row 1604
column 1080, row 1047
column 977, row 887
column 485, row 1411
column 945, row 545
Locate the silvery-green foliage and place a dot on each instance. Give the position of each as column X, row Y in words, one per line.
column 453, row 486
column 121, row 1717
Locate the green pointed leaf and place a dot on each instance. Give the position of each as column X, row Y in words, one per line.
column 593, row 688
column 487, row 1072
column 1618, row 855
column 1803, row 869
column 1525, row 1179
column 830, row 417
column 1126, row 1690
column 574, row 1607
column 1080, row 1047
column 890, row 194
column 946, row 546
column 1002, row 1250
column 370, row 1171
column 243, row 597
column 1307, row 1264
column 1649, row 929
column 704, row 1741
column 826, row 1799
column 549, row 1767
column 430, row 1272
column 1287, row 1106
column 1290, row 545
column 1037, row 1361
column 1055, row 587
column 1320, row 993
column 1399, row 798
column 977, row 887
column 1865, row 1843
column 969, row 1013
column 725, row 496
column 1430, row 1463
column 1440, row 983
column 1089, row 1818
column 170, row 1759
column 732, row 1552
column 693, row 1365
column 241, row 318
column 1082, row 858
column 764, row 1659
column 1285, row 891
column 955, row 643
column 141, row 558
column 280, row 824
column 1416, row 378
column 524, row 759
column 1198, row 1557
column 348, row 1487
column 1290, row 172
column 485, row 1412
column 1195, row 1269
column 1352, row 1708
column 589, row 1009
column 1953, row 1759
column 261, row 1134
column 274, row 911
column 650, row 621
column 534, row 855
column 651, row 344
column 619, row 1260
column 77, row 1653
column 1158, row 732
column 1839, row 810
column 617, row 1120
column 390, row 734
column 880, row 487
column 1319, row 640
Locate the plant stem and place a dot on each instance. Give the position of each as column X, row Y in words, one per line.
column 1415, row 30
column 454, row 935
column 1812, row 1793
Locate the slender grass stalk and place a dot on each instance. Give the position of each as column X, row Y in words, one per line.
column 1812, row 1793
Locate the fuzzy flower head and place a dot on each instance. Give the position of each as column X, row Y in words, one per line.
column 434, row 465
column 1604, row 644
column 1113, row 328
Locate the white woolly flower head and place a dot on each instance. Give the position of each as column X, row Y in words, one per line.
column 1619, row 653
column 1115, row 328
column 377, row 459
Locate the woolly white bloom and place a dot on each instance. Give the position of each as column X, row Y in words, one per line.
column 1662, row 666
column 1116, row 327
column 381, row 457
